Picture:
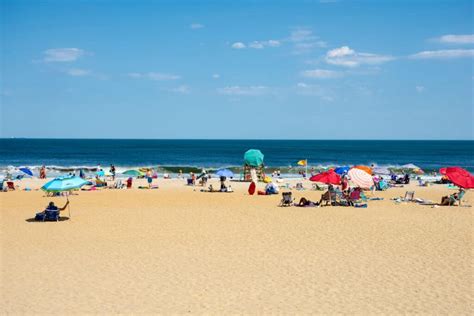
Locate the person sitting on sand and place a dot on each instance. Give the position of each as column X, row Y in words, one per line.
column 305, row 202
column 223, row 186
column 52, row 207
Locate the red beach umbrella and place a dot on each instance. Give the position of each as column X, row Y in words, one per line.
column 328, row 177
column 460, row 177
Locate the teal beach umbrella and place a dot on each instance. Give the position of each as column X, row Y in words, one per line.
column 133, row 173
column 253, row 157
column 65, row 183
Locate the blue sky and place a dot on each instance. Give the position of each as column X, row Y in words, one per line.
column 302, row 69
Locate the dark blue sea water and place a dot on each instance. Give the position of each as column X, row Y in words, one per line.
column 429, row 155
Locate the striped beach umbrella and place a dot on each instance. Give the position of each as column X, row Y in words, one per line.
column 365, row 168
column 361, row 178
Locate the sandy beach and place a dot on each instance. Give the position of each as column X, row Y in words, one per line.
column 181, row 251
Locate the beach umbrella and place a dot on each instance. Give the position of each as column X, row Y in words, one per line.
column 342, row 170
column 132, row 173
column 225, row 173
column 27, row 171
column 361, row 178
column 253, row 157
column 65, row 183
column 460, row 177
column 328, row 177
column 365, row 168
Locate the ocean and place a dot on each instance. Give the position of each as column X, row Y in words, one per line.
column 61, row 155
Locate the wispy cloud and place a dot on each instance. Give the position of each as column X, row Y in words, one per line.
column 419, row 89
column 321, row 74
column 243, row 91
column 196, row 26
column 257, row 44
column 347, row 57
column 456, row 39
column 444, row 54
column 181, row 90
column 77, row 72
column 154, row 76
column 62, row 54
column 304, row 41
column 314, row 90
column 216, row 76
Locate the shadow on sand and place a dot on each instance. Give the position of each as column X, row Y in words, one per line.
column 32, row 220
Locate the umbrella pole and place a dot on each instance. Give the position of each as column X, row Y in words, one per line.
column 68, row 206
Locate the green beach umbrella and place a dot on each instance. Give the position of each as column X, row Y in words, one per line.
column 132, row 173
column 253, row 157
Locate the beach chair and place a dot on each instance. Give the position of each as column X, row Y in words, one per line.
column 299, row 186
column 51, row 215
column 409, row 196
column 287, row 199
column 10, row 186
column 453, row 199
column 190, row 181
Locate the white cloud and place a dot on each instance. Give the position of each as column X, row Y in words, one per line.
column 248, row 91
column 216, row 76
column 420, row 89
column 321, row 74
column 196, row 26
column 181, row 90
column 77, row 72
column 456, row 39
column 238, row 45
column 347, row 57
column 314, row 90
column 257, row 44
column 154, row 76
column 444, row 54
column 62, row 54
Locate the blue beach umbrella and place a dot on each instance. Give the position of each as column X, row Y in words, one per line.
column 27, row 171
column 342, row 170
column 225, row 173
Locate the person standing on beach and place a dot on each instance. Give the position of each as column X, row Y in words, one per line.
column 43, row 172
column 112, row 171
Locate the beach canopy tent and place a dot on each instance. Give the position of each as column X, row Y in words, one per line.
column 253, row 157
column 381, row 170
column 413, row 168
column 459, row 177
column 342, row 170
column 225, row 173
column 133, row 173
column 361, row 178
column 365, row 168
column 26, row 171
column 328, row 177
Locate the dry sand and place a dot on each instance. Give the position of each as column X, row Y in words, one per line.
column 176, row 250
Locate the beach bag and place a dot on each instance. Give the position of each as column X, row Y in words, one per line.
column 252, row 188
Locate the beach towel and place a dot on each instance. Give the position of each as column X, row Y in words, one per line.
column 360, row 205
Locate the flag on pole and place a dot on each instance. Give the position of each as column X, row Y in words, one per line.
column 302, row 162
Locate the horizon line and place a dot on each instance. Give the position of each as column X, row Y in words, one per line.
column 235, row 139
